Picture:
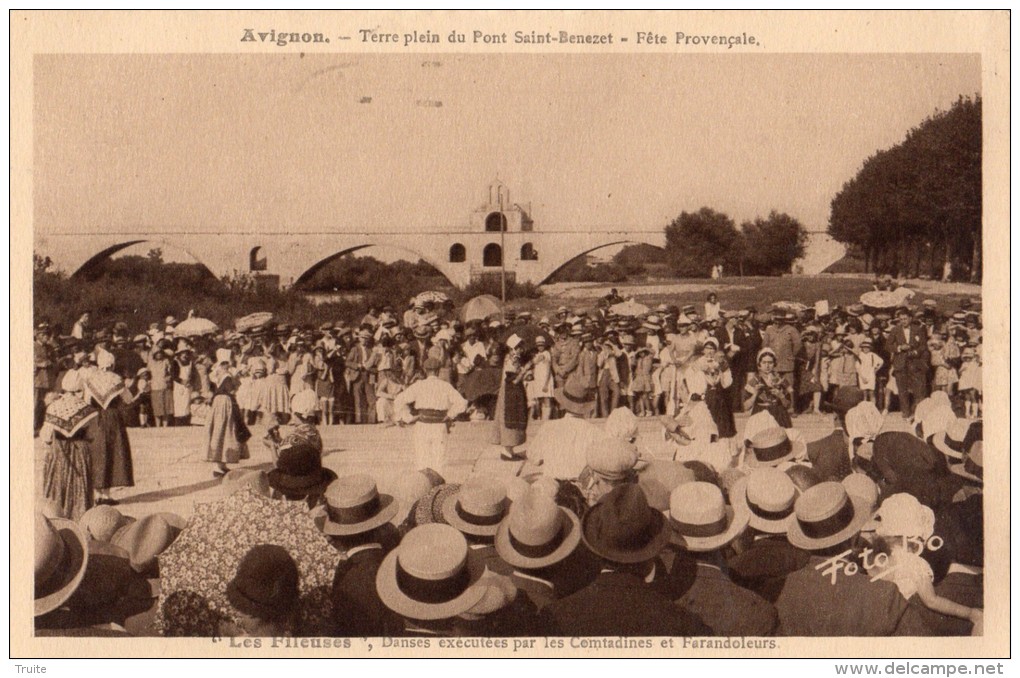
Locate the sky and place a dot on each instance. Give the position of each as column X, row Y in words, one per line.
column 280, row 143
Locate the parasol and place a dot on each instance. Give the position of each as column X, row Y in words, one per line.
column 886, row 298
column 432, row 297
column 790, row 306
column 195, row 570
column 480, row 382
column 195, row 327
column 253, row 321
column 629, row 308
column 480, row 308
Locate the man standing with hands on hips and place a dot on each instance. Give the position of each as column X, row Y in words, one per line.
column 436, row 403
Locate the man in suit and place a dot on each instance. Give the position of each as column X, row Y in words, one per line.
column 727, row 608
column 784, row 339
column 831, row 595
column 540, row 541
column 627, row 535
column 734, row 342
column 908, row 350
column 356, row 519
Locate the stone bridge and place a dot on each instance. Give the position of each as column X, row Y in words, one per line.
column 531, row 256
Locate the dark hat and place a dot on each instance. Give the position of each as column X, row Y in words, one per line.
column 623, row 528
column 846, row 398
column 905, row 463
column 299, row 471
column 266, row 584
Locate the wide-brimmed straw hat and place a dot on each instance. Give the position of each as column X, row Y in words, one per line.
column 773, row 446
column 537, row 533
column 61, row 556
column 623, row 528
column 768, row 495
column 353, row 505
column 431, row 575
column 701, row 519
column 826, row 515
column 478, row 507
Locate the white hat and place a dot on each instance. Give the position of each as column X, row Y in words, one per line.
column 513, row 341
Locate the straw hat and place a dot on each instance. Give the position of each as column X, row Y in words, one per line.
column 701, row 518
column 537, row 533
column 478, row 507
column 353, row 506
column 431, row 575
column 773, row 446
column 768, row 495
column 826, row 515
column 61, row 556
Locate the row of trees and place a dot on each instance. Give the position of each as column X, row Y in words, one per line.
column 915, row 209
column 698, row 241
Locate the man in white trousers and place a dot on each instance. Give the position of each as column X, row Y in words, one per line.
column 436, row 403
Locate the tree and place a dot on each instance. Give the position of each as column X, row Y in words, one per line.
column 916, row 207
column 771, row 245
column 696, row 241
column 155, row 256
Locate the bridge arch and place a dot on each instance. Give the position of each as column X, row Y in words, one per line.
column 318, row 266
column 564, row 263
column 90, row 264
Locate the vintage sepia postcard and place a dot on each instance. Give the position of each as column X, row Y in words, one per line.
column 510, row 334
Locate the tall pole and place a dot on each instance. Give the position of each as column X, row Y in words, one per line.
column 502, row 257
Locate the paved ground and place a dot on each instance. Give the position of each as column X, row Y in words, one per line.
column 172, row 475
